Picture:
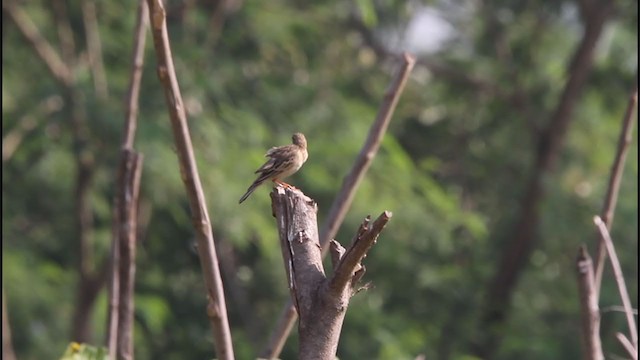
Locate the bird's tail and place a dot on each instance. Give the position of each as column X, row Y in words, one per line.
column 249, row 191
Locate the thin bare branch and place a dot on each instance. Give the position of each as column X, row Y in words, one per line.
column 342, row 201
column 7, row 345
column 283, row 327
column 626, row 344
column 351, row 260
column 608, row 209
column 90, row 282
column 114, row 283
column 94, row 47
column 130, row 124
column 137, row 63
column 345, row 196
column 45, row 51
column 616, row 308
column 216, row 308
column 588, row 307
column 622, row 287
column 131, row 170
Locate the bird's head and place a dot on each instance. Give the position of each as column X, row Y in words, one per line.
column 300, row 140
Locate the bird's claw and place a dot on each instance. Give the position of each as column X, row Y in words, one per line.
column 285, row 185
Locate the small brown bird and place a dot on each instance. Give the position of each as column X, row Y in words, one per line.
column 283, row 162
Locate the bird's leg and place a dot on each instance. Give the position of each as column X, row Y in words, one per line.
column 284, row 184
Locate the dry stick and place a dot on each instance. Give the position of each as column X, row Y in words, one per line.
column 94, row 47
column 7, row 345
column 351, row 259
column 216, row 308
column 122, row 206
column 622, row 287
column 588, row 307
column 127, row 218
column 626, row 344
column 343, row 200
column 614, row 181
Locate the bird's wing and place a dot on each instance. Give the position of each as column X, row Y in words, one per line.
column 277, row 151
column 274, row 154
column 266, row 166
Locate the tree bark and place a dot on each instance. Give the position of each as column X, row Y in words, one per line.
column 592, row 346
column 321, row 302
column 216, row 304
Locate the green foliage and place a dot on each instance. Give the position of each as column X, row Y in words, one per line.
column 77, row 351
column 452, row 169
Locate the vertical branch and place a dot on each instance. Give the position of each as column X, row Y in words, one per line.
column 124, row 208
column 622, row 287
column 114, row 281
column 94, row 47
column 344, row 198
column 589, row 307
column 7, row 346
column 626, row 344
column 626, row 133
column 127, row 216
column 137, row 62
column 216, row 308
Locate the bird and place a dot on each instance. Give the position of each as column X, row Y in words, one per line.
column 283, row 161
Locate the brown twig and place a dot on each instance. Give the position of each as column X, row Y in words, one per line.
column 622, row 287
column 588, row 307
column 281, row 331
column 608, row 209
column 94, row 47
column 121, row 214
column 114, row 283
column 216, row 308
column 7, row 345
column 137, row 62
column 628, row 347
column 344, row 198
column 351, row 260
column 127, row 225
